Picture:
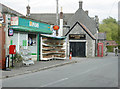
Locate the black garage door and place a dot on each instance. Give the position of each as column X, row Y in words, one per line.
column 78, row 49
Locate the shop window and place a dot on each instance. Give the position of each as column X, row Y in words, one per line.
column 24, row 42
column 31, row 40
column 11, row 42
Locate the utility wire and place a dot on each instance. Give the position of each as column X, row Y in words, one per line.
column 112, row 7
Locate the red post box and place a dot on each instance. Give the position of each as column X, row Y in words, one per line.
column 12, row 49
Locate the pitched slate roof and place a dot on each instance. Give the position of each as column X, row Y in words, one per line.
column 50, row 17
column 83, row 18
column 69, row 19
column 6, row 9
column 84, row 28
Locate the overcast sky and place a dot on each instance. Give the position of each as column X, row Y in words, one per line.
column 102, row 8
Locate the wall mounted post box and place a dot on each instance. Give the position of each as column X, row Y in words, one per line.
column 12, row 49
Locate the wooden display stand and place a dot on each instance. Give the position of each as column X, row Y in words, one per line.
column 52, row 48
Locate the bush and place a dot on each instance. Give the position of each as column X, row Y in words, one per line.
column 18, row 58
column 110, row 48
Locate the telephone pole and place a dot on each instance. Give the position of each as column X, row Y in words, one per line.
column 57, row 16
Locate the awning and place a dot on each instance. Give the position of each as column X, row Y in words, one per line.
column 30, row 29
column 54, row 37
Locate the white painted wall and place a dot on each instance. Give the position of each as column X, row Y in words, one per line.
column 18, row 40
column 15, row 40
column 7, row 38
column 93, row 48
column 23, row 36
column 60, row 31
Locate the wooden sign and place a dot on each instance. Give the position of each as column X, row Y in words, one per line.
column 77, row 37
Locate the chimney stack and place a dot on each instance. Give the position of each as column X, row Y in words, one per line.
column 28, row 10
column 61, row 14
column 86, row 12
column 80, row 4
column 96, row 19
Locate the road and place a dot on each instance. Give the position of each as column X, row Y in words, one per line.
column 87, row 72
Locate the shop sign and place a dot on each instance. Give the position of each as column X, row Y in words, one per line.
column 14, row 20
column 10, row 32
column 77, row 37
column 29, row 23
column 33, row 24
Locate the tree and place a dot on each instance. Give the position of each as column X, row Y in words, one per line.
column 110, row 26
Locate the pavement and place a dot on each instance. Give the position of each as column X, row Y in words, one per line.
column 38, row 66
column 87, row 72
column 41, row 65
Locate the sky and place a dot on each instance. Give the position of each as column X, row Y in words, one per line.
column 102, row 8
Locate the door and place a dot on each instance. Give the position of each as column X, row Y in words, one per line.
column 100, row 49
column 78, row 49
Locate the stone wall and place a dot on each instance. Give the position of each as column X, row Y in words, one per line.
column 90, row 43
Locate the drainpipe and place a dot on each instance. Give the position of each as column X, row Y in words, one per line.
column 38, row 46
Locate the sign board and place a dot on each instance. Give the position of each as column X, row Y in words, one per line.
column 10, row 32
column 77, row 37
column 33, row 24
column 14, row 20
column 22, row 24
column 7, row 61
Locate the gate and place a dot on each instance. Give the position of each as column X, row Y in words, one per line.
column 78, row 49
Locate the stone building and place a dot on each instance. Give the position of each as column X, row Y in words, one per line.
column 80, row 29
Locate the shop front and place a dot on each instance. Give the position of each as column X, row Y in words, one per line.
column 26, row 35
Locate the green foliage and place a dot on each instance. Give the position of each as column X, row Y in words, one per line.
column 119, row 34
column 110, row 26
column 109, row 20
column 110, row 48
column 18, row 58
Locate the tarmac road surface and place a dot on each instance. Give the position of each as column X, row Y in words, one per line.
column 89, row 72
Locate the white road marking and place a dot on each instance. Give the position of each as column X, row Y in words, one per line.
column 55, row 82
column 75, row 75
